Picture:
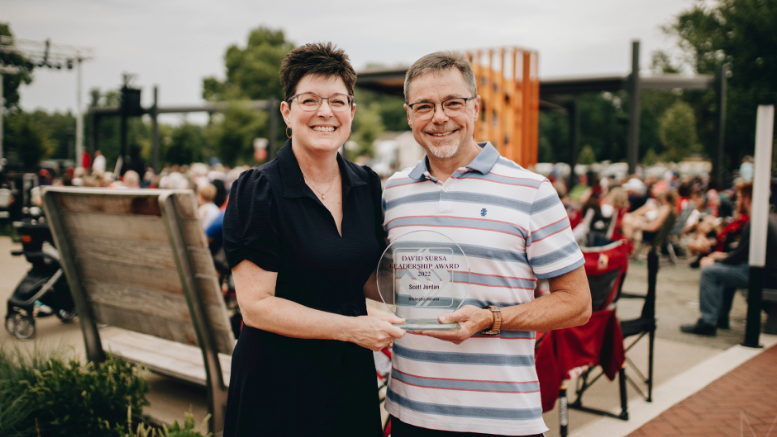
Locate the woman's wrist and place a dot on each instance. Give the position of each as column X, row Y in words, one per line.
column 346, row 328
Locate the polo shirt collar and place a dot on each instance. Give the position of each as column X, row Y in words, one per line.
column 486, row 159
column 294, row 182
column 483, row 162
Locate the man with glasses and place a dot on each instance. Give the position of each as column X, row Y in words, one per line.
column 479, row 380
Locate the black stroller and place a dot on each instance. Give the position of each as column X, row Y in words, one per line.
column 44, row 290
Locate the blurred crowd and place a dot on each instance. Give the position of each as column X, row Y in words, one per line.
column 211, row 184
column 680, row 215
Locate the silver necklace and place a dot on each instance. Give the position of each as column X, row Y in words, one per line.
column 323, row 195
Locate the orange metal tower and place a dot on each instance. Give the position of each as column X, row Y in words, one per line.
column 509, row 87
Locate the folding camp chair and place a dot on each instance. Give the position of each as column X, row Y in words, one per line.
column 564, row 353
column 675, row 234
column 644, row 325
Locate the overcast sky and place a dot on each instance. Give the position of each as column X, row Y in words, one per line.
column 175, row 43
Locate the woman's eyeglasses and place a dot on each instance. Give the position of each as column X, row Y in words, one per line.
column 311, row 102
column 451, row 108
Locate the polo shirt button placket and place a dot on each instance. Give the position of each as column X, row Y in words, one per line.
column 445, row 203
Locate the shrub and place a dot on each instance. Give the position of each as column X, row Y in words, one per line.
column 51, row 396
column 15, row 414
column 63, row 397
column 76, row 399
column 187, row 430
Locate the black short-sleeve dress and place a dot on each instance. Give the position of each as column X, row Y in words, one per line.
column 283, row 386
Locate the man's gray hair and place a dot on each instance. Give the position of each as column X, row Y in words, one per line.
column 440, row 61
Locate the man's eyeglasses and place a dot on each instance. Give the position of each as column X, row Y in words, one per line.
column 451, row 108
column 311, row 102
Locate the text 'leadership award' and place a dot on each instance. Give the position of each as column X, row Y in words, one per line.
column 421, row 276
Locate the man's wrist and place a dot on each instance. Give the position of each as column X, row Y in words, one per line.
column 496, row 321
column 490, row 318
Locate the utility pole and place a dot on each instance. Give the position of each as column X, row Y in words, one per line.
column 632, row 153
column 2, row 108
column 79, row 118
column 155, row 128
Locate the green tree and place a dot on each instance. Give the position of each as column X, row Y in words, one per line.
column 650, row 158
column 587, row 155
column 252, row 71
column 391, row 108
column 186, row 144
column 11, row 82
column 26, row 139
column 554, row 137
column 61, row 130
column 234, row 132
column 677, row 130
column 367, row 127
column 739, row 34
column 251, row 74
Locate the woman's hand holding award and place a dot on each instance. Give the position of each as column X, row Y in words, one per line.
column 421, row 276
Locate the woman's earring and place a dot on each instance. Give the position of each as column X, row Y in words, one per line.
column 288, row 135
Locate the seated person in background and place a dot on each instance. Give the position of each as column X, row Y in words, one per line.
column 572, row 212
column 722, row 274
column 684, row 193
column 713, row 203
column 208, row 211
column 650, row 217
column 637, row 193
column 577, row 192
column 704, row 235
column 614, row 207
column 131, row 179
column 713, row 234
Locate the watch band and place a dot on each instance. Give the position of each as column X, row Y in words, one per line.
column 496, row 327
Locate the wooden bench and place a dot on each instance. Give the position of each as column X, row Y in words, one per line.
column 139, row 260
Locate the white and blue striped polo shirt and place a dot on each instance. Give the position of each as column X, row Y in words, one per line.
column 514, row 230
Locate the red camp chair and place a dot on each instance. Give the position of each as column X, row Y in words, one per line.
column 564, row 354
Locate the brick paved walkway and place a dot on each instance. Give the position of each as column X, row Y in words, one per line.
column 742, row 403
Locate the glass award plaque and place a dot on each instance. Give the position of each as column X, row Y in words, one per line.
column 421, row 276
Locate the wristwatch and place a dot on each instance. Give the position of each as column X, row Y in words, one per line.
column 497, row 320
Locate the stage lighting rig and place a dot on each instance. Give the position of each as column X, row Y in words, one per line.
column 45, row 54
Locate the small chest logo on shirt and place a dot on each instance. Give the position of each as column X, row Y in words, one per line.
column 483, row 212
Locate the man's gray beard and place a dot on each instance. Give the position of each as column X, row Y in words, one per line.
column 443, row 152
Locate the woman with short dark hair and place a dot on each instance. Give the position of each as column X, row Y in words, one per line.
column 303, row 235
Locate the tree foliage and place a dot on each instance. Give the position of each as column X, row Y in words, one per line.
column 26, row 139
column 677, row 131
column 12, row 82
column 390, row 108
column 61, row 130
column 234, row 132
column 587, row 155
column 740, row 35
column 367, row 127
column 186, row 144
column 252, row 71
